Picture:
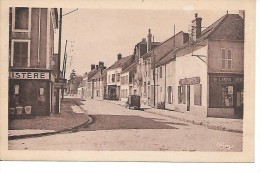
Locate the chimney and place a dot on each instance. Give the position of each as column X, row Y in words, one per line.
column 101, row 64
column 96, row 66
column 149, row 42
column 119, row 56
column 143, row 40
column 92, row 66
column 242, row 14
column 196, row 27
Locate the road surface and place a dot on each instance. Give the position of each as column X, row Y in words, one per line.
column 115, row 128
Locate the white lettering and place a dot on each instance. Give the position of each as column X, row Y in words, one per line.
column 29, row 75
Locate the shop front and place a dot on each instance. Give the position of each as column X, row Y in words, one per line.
column 30, row 92
column 191, row 96
column 226, row 95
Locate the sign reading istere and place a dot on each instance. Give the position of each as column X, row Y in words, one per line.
column 29, row 75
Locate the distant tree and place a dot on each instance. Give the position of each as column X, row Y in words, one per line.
column 74, row 82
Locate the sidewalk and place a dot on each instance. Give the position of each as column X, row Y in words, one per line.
column 71, row 117
column 225, row 124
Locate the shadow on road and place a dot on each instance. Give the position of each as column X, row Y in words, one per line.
column 113, row 122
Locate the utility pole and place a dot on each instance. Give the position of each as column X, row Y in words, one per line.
column 64, row 68
column 153, row 75
column 57, row 111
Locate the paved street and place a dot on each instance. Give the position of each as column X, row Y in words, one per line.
column 117, row 128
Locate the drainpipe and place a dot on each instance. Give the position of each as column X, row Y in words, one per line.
column 39, row 36
column 165, row 84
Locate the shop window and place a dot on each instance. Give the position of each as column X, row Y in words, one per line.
column 197, row 94
column 170, row 94
column 21, row 19
column 227, row 96
column 226, row 55
column 181, row 94
column 20, row 53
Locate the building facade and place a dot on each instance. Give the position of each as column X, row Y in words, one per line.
column 209, row 70
column 31, row 53
column 114, row 76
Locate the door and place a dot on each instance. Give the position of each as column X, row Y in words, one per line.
column 42, row 102
column 239, row 94
column 152, row 95
column 188, row 97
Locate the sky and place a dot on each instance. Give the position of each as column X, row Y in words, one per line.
column 100, row 34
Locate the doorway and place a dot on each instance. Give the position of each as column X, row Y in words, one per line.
column 238, row 109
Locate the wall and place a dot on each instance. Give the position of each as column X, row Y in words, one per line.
column 188, row 66
column 170, row 81
column 124, row 87
column 215, row 58
column 109, row 74
column 160, row 85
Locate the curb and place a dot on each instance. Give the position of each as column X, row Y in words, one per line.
column 53, row 133
column 196, row 122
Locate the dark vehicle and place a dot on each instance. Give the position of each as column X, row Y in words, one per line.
column 133, row 101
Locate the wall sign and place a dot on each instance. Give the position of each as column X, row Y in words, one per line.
column 16, row 89
column 227, row 79
column 29, row 75
column 190, row 81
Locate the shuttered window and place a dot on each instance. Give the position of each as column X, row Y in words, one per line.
column 197, row 94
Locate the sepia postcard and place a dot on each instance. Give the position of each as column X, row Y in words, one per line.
column 136, row 80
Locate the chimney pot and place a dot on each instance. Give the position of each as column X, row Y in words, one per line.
column 149, row 42
column 96, row 66
column 101, row 64
column 92, row 66
column 119, row 56
column 196, row 27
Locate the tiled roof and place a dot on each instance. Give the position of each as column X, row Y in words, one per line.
column 167, row 46
column 130, row 67
column 92, row 73
column 166, row 59
column 120, row 63
column 228, row 27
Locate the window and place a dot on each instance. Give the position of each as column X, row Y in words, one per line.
column 226, row 56
column 21, row 19
column 118, row 77
column 181, row 94
column 160, row 72
column 170, row 94
column 113, row 77
column 20, row 53
column 126, row 79
column 197, row 94
column 227, row 96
